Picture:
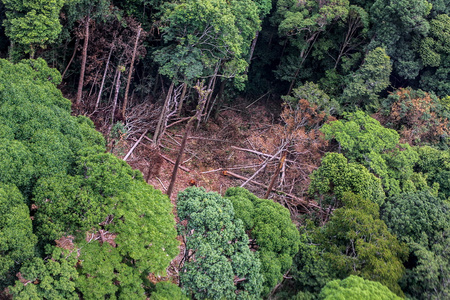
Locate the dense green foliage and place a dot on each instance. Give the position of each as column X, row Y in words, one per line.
column 422, row 220
column 364, row 140
column 354, row 287
column 219, row 263
column 78, row 194
column 358, row 242
column 167, row 291
column 78, row 222
column 17, row 240
column 353, row 242
column 336, row 176
column 32, row 23
column 271, row 227
column 416, row 217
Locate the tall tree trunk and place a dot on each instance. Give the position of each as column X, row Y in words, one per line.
column 77, row 42
column 205, row 102
column 103, row 79
column 112, row 87
column 83, row 61
column 183, row 94
column 93, row 83
column 116, row 96
column 252, row 50
column 209, row 105
column 203, row 94
column 130, row 73
column 220, row 97
column 303, row 55
column 277, row 171
column 158, row 132
column 179, row 156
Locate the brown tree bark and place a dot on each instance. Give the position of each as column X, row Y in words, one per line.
column 180, row 155
column 130, row 73
column 274, row 177
column 203, row 95
column 83, row 61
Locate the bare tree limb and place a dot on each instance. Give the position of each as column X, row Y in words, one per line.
column 135, row 145
column 300, row 201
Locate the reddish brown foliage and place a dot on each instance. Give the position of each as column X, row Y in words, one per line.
column 299, row 135
column 65, row 242
column 416, row 116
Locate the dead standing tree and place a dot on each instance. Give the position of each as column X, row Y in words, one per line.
column 296, row 146
column 203, row 95
column 168, row 110
column 130, row 72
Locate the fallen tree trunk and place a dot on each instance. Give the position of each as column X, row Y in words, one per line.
column 306, row 204
column 260, row 153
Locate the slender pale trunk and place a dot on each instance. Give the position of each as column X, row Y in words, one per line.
column 93, row 83
column 83, row 61
column 303, row 55
column 209, row 91
column 112, row 87
column 209, row 105
column 183, row 94
column 220, row 97
column 116, row 96
column 159, row 128
column 103, row 79
column 252, row 50
column 130, row 73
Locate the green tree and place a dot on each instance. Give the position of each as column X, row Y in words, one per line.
column 364, row 140
column 166, row 290
column 354, row 287
column 270, row 225
column 219, row 263
column 435, row 164
column 336, row 176
column 74, row 189
column 301, row 23
column 32, row 23
column 41, row 135
column 369, row 80
column 103, row 273
column 17, row 240
column 430, row 277
column 312, row 92
column 434, row 51
column 105, row 187
column 422, row 220
column 357, row 242
column 311, row 270
column 416, row 217
column 52, row 278
column 396, row 27
column 203, row 35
